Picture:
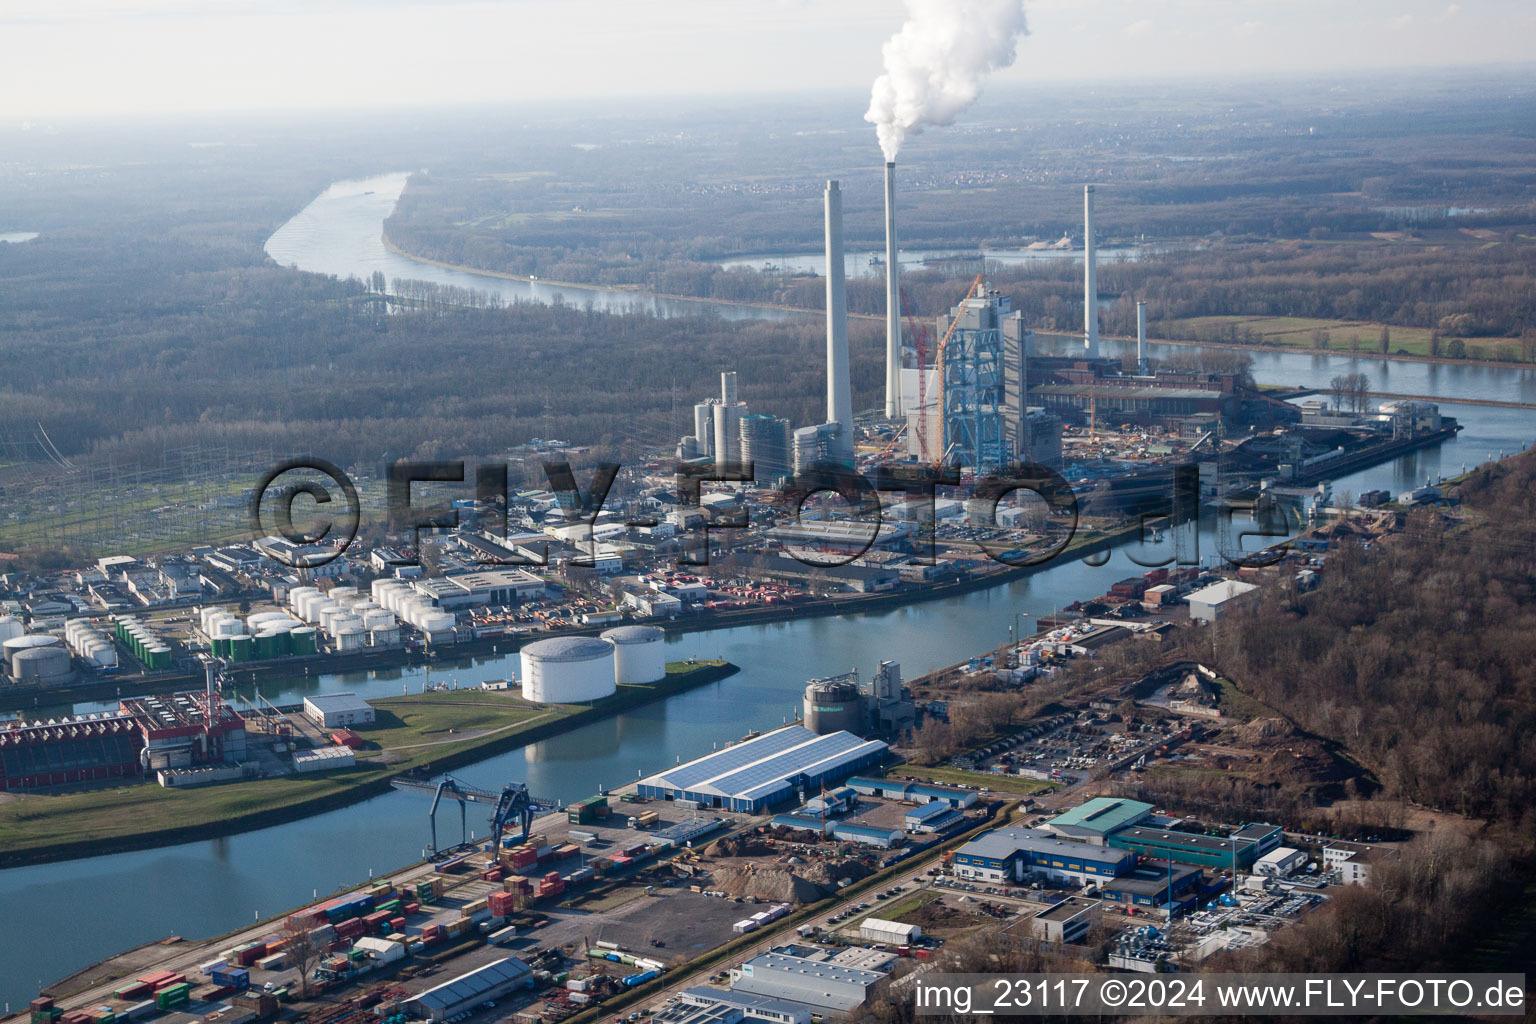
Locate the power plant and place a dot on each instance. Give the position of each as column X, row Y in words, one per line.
column 1090, row 280
column 839, row 388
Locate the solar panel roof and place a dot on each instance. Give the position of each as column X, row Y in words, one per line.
column 688, row 776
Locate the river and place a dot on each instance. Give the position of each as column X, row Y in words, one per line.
column 204, row 888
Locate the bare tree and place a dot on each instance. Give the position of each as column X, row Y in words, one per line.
column 302, row 948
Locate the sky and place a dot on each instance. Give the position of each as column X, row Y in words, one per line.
column 74, row 58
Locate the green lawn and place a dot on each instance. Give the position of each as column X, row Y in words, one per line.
column 997, row 783
column 1234, row 703
column 437, row 717
column 1297, row 332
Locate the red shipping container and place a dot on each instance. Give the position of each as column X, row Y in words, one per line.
column 42, row 1003
column 155, row 978
column 247, row 957
column 553, row 876
column 174, row 979
column 493, row 875
column 411, row 908
column 396, row 923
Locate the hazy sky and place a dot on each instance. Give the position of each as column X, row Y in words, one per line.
column 62, row 58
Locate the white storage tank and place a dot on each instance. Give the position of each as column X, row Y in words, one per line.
column 638, row 654
column 384, row 636
column 16, row 644
column 337, row 593
column 10, row 627
column 47, row 666
column 350, row 639
column 344, row 624
column 567, row 670
column 102, row 655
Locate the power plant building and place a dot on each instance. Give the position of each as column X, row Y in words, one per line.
column 881, row 706
column 767, row 770
column 767, row 442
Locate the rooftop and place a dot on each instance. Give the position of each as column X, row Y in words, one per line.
column 468, row 986
column 1002, row 843
column 1226, row 590
column 763, row 764
column 1185, row 840
column 1067, row 909
column 1100, row 816
column 328, row 702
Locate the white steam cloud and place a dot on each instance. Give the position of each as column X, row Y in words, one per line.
column 935, row 65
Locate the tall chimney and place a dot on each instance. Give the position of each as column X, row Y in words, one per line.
column 839, row 389
column 1090, row 281
column 892, row 301
column 1141, row 338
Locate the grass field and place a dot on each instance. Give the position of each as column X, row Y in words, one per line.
column 1343, row 335
column 1234, row 703
column 411, row 731
column 997, row 783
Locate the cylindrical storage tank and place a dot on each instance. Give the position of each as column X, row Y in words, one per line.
column 45, row 666
column 317, row 610
column 297, row 594
column 384, row 636
column 437, row 622
column 328, row 617
column 302, row 640
column 832, row 706
column 567, row 670
column 638, row 654
column 378, row 619
column 241, row 648
column 157, row 658
column 10, row 627
column 343, row 624
column 350, row 639
column 337, row 593
column 258, row 622
column 264, row 645
column 31, row 641
column 220, row 646
column 103, row 656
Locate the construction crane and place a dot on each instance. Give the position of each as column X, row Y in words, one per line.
column 512, row 804
column 938, row 362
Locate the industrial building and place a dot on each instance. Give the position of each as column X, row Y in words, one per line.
column 1282, row 862
column 934, row 816
column 883, row 706
column 59, row 751
column 753, row 1007
column 1092, row 821
column 338, row 710
column 1068, row 921
column 820, row 985
column 1353, row 861
column 1009, row 854
column 639, row 654
column 1188, row 847
column 866, row 835
column 469, row 991
column 183, row 729
column 1210, row 603
column 914, row 792
column 892, row 933
column 487, row 587
column 759, row 773
column 1156, row 884
column 568, row 670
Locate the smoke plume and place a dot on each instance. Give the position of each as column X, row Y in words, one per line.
column 935, row 65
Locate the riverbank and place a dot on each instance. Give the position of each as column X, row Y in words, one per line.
column 38, row 829
column 641, row 293
column 254, row 673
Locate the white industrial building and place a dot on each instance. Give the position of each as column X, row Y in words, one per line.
column 1280, row 863
column 639, row 654
column 817, row 984
column 890, row 932
column 568, row 670
column 1211, row 603
column 338, row 710
column 323, row 759
column 934, row 816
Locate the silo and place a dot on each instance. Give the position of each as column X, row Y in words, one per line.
column 832, row 705
column 567, row 670
column 639, row 654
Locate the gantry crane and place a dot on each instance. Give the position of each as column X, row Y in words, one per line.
column 512, row 804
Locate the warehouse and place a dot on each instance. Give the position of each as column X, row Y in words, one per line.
column 1212, row 602
column 934, row 816
column 795, row 979
column 890, row 932
column 1280, row 863
column 866, row 835
column 755, row 1007
column 767, row 770
column 1188, row 847
column 1094, row 820
column 333, row 710
column 468, row 991
column 1008, row 854
column 914, row 792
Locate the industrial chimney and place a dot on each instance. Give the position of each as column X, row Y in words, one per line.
column 893, row 408
column 1141, row 339
column 1090, row 282
column 839, row 389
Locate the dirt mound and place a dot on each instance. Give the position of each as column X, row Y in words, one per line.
column 780, row 884
column 739, row 846
column 1262, row 729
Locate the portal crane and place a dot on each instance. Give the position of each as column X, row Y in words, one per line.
column 512, row 804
